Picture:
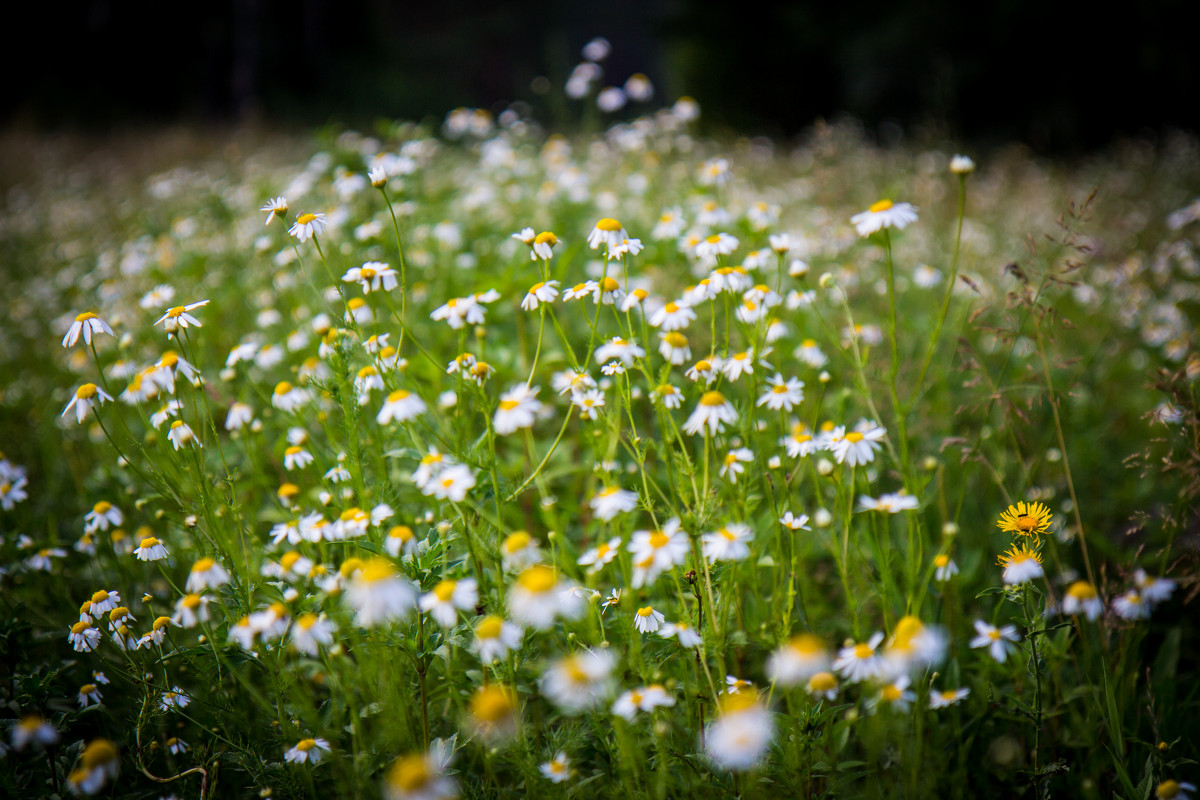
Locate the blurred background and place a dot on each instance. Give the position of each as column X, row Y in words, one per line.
column 1058, row 77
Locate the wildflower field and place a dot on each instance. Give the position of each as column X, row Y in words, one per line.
column 499, row 463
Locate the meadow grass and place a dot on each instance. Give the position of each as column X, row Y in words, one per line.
column 498, row 463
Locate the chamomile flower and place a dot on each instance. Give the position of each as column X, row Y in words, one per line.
column 558, row 769
column 672, row 317
column 191, row 610
column 495, row 638
column 673, row 347
column 1021, row 565
column 858, row 446
column 595, row 558
column 719, row 244
column 86, row 324
column 181, row 435
column 668, row 395
column 287, row 397
column 86, row 396
column 102, row 516
column 177, row 746
column 449, row 597
column 276, row 207
column 948, row 697
column 99, row 763
column 647, row 620
column 781, row 395
column 656, row 551
column 645, row 698
column 740, row 735
column 150, row 549
column 794, row 522
column 802, row 657
column 420, row 776
column 822, row 685
column 519, row 550
column 884, row 214
column 1173, row 790
column 1082, row 598
column 372, row 276
column 400, row 406
column 310, row 632
column 307, row 751
column 492, row 713
column 914, row 646
column 740, row 364
column 944, row 568
column 998, row 641
column 623, row 349
column 611, row 501
column 1131, row 605
column 734, row 463
column 206, row 573
column 32, row 728
column 307, row 226
column 895, row 695
column 543, row 246
column 541, row 292
column 580, row 681
column 537, row 597
column 1153, row 590
column 810, row 353
column 451, row 483
column 608, row 232
column 84, row 637
column 888, row 503
column 860, row 662
column 180, row 317
column 518, row 409
column 589, row 403
column 727, row 543
column 681, row 631
column 379, row 595
column 711, row 415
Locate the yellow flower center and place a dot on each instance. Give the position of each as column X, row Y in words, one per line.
column 306, row 744
column 713, row 239
column 645, row 611
column 283, row 387
column 508, row 405
column 609, row 284
column 712, row 399
column 863, row 651
column 516, row 541
column 445, row 590
column 491, row 704
column 489, row 627
column 86, row 392
column 608, row 224
column 377, row 569
column 80, row 627
column 538, row 579
column 658, row 540
column 191, row 602
column 822, row 682
column 401, row 532
column 203, row 565
column 854, row 437
column 409, row 774
column 941, row 560
column 304, row 219
column 546, row 237
column 882, row 205
column 676, row 339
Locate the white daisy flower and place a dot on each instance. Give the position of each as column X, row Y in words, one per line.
column 87, row 324
column 884, row 214
column 998, row 641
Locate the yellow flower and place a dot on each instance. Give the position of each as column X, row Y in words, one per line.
column 1025, row 519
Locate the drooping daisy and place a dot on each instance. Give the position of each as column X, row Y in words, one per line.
column 1131, row 605
column 400, row 406
column 150, row 549
column 86, row 396
column 673, row 347
column 668, row 395
column 32, row 728
column 914, row 646
column 181, row 435
column 276, row 207
column 802, row 657
column 99, row 763
column 310, row 632
column 944, row 568
column 87, row 324
column 102, row 516
column 998, row 641
column 206, row 573
column 541, row 292
column 608, row 232
column 884, row 214
column 1021, row 565
column 84, row 637
column 287, row 397
column 177, row 746
column 191, row 610
column 520, row 550
column 742, row 363
column 822, row 685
